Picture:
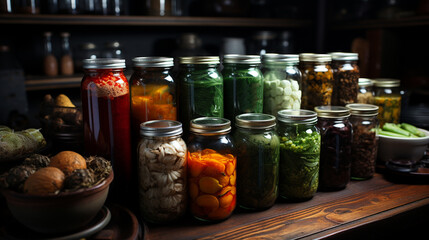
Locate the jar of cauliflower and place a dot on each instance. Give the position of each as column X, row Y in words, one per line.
column 162, row 171
column 282, row 82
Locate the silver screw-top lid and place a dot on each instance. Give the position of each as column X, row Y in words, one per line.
column 361, row 109
column 210, row 126
column 153, row 62
column 161, row 128
column 199, row 60
column 332, row 111
column 365, row 82
column 297, row 116
column 280, row 58
column 242, row 59
column 344, row 56
column 387, row 82
column 314, row 57
column 103, row 63
column 255, row 121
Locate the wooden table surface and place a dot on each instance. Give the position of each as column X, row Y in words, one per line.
column 328, row 214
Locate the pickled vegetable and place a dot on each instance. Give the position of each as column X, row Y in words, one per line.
column 389, row 109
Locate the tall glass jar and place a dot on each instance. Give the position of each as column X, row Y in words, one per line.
column 257, row 147
column 243, row 85
column 365, row 141
column 153, row 91
column 211, row 169
column 317, row 79
column 346, row 78
column 201, row 88
column 282, row 82
column 388, row 99
column 336, row 146
column 366, row 93
column 162, row 171
column 106, row 118
column 299, row 154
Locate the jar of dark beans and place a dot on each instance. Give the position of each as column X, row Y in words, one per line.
column 336, row 145
column 346, row 78
column 364, row 149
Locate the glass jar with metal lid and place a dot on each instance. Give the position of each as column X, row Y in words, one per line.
column 201, row 88
column 317, row 79
column 365, row 141
column 299, row 154
column 162, row 171
column 366, row 93
column 243, row 85
column 211, row 169
column 106, row 118
column 336, row 146
column 153, row 91
column 257, row 147
column 388, row 99
column 346, row 78
column 282, row 82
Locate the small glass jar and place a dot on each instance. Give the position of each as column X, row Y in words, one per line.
column 346, row 78
column 365, row 141
column 211, row 169
column 282, row 82
column 257, row 147
column 366, row 93
column 336, row 146
column 201, row 88
column 317, row 79
column 243, row 85
column 153, row 90
column 388, row 99
column 106, row 119
column 299, row 154
column 162, row 171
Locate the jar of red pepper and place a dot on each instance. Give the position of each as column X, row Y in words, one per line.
column 106, row 118
column 336, row 146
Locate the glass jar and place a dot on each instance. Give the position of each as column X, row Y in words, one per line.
column 257, row 147
column 162, row 171
column 106, row 118
column 243, row 85
column 388, row 99
column 299, row 154
column 282, row 82
column 26, row 6
column 158, row 8
column 201, row 88
column 317, row 79
column 365, row 94
column 336, row 146
column 346, row 78
column 153, row 90
column 211, row 169
column 365, row 141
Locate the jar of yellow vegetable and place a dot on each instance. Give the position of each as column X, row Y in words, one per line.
column 388, row 99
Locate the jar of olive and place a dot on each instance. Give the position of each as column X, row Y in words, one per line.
column 257, row 147
column 299, row 154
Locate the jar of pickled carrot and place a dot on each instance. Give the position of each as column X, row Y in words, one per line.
column 211, row 169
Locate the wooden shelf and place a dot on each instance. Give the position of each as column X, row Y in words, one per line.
column 87, row 20
column 414, row 21
column 45, row 83
column 360, row 205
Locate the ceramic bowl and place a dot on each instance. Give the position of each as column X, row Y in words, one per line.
column 408, row 149
column 61, row 213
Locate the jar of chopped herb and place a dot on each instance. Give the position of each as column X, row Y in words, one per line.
column 282, row 82
column 336, row 146
column 365, row 142
column 211, row 169
column 243, row 85
column 317, row 79
column 299, row 154
column 346, row 77
column 200, row 88
column 388, row 99
column 366, row 93
column 257, row 147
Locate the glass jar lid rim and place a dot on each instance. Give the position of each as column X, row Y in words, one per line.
column 301, row 115
column 244, row 59
column 362, row 109
column 344, row 56
column 103, row 63
column 315, row 57
column 387, row 82
column 255, row 121
column 280, row 58
column 328, row 111
column 161, row 128
column 199, row 60
column 364, row 82
column 153, row 62
column 210, row 125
